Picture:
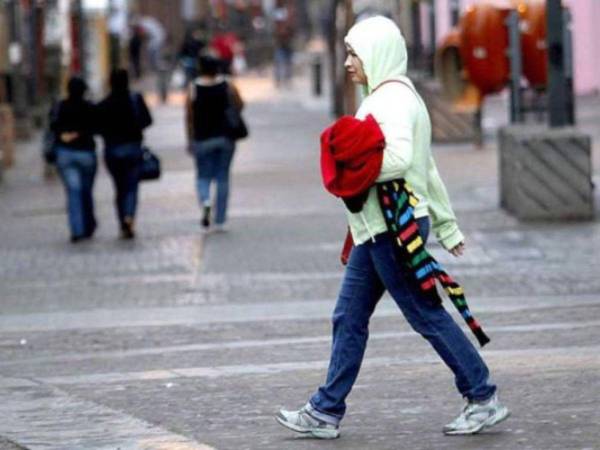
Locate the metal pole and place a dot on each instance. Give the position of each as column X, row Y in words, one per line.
column 332, row 45
column 516, row 67
column 34, row 54
column 432, row 36
column 113, row 37
column 568, row 62
column 317, row 79
column 81, row 36
column 557, row 81
column 18, row 76
column 417, row 47
column 454, row 12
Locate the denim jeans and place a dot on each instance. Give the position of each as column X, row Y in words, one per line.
column 190, row 69
column 77, row 169
column 283, row 64
column 372, row 269
column 124, row 165
column 213, row 162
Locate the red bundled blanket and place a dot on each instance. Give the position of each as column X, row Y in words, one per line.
column 351, row 156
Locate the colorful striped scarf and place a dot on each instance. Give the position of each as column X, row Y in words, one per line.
column 397, row 202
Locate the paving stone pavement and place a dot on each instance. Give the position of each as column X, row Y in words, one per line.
column 185, row 340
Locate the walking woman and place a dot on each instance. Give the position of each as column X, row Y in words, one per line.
column 394, row 118
column 73, row 125
column 123, row 115
column 210, row 142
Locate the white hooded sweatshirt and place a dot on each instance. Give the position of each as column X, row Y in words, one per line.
column 403, row 118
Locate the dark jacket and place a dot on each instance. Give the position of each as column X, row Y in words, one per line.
column 206, row 107
column 77, row 116
column 122, row 117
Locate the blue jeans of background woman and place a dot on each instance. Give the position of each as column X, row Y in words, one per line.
column 372, row 269
column 213, row 163
column 77, row 169
column 283, row 64
column 124, row 165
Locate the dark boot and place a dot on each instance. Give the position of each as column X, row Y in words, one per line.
column 127, row 228
column 206, row 216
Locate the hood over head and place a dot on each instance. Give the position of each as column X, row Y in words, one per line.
column 379, row 44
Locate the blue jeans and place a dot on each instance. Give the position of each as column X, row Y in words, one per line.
column 190, row 69
column 77, row 169
column 213, row 162
column 283, row 64
column 373, row 268
column 124, row 165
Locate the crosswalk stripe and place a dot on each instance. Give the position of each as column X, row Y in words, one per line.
column 265, row 343
column 254, row 312
column 560, row 355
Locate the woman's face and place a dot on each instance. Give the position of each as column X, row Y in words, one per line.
column 354, row 67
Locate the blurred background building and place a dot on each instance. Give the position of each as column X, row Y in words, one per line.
column 43, row 42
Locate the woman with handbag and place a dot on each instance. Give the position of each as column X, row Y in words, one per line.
column 74, row 150
column 123, row 115
column 214, row 122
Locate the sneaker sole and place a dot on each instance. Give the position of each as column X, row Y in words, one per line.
column 465, row 432
column 492, row 421
column 315, row 433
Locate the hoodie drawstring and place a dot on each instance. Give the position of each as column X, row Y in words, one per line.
column 366, row 224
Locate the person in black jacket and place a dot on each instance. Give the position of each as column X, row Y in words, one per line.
column 122, row 117
column 73, row 124
column 208, row 99
column 188, row 54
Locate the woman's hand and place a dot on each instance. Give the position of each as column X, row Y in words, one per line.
column 459, row 250
column 69, row 136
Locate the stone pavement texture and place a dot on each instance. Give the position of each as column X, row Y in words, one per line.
column 182, row 340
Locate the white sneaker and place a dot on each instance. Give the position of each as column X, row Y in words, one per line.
column 302, row 421
column 476, row 417
column 219, row 228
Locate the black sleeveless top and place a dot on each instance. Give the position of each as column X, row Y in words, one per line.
column 208, row 108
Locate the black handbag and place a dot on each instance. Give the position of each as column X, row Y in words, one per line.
column 49, row 142
column 235, row 127
column 150, row 165
column 49, row 138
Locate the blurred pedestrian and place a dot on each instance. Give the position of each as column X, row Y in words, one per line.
column 394, row 122
column 156, row 36
column 225, row 45
column 189, row 53
column 284, row 30
column 122, row 117
column 135, row 50
column 210, row 141
column 73, row 125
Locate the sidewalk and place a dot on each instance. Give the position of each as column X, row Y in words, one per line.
column 192, row 341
